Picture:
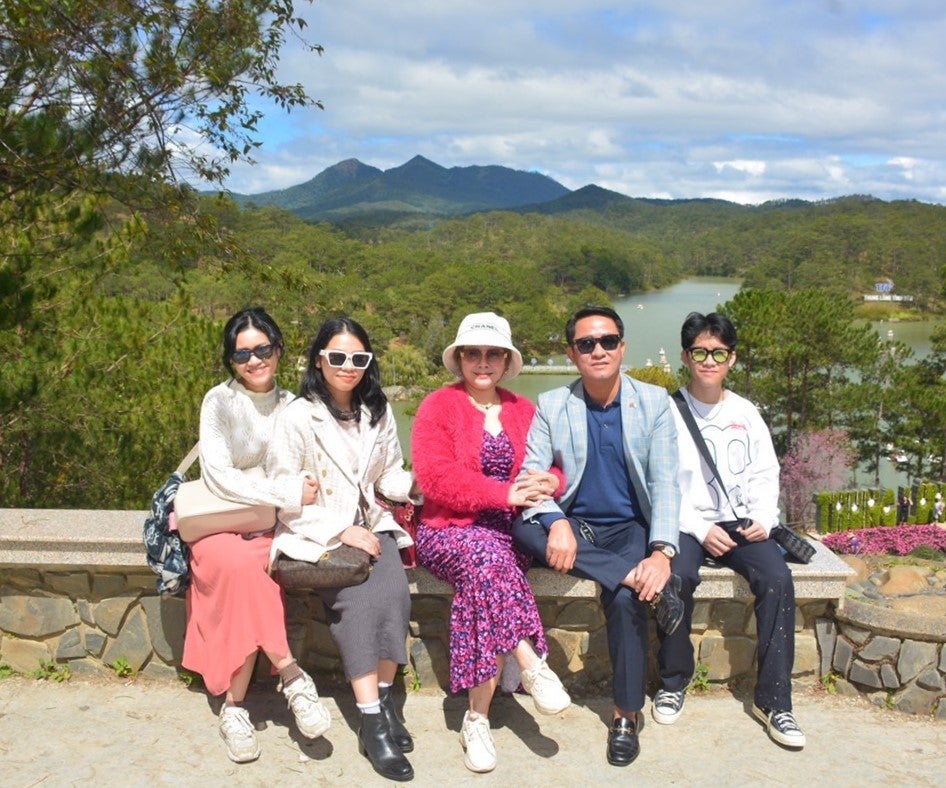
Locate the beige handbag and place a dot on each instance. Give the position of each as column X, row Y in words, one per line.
column 199, row 513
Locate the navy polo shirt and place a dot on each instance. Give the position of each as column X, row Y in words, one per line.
column 605, row 494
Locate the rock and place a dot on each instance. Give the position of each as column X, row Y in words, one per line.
column 74, row 584
column 915, row 700
column 806, row 655
column 930, row 679
column 726, row 657
column 904, row 580
column 860, row 567
column 856, row 635
column 941, row 709
column 132, row 643
column 35, row 616
column 583, row 614
column 70, row 646
column 431, row 662
column 843, row 654
column 865, row 675
column 109, row 613
column 158, row 670
column 701, row 615
column 104, row 586
column 24, row 656
column 925, row 605
column 880, row 647
column 729, row 617
column 914, row 656
column 889, row 677
column 565, row 650
column 827, row 633
column 94, row 642
column 167, row 621
column 845, row 689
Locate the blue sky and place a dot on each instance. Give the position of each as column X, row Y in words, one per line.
column 743, row 100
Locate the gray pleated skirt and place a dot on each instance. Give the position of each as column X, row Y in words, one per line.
column 369, row 621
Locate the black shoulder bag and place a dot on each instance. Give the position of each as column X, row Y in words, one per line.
column 794, row 545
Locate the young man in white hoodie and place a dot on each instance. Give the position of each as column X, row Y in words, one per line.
column 730, row 525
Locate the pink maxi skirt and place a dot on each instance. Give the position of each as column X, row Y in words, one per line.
column 233, row 608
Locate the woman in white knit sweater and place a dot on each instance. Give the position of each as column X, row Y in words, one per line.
column 234, row 608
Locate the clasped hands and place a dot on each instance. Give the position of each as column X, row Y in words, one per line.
column 718, row 541
column 532, row 488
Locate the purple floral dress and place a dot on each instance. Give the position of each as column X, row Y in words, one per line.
column 493, row 606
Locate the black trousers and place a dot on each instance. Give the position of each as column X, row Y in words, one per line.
column 616, row 550
column 770, row 581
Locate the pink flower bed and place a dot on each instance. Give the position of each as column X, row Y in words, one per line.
column 897, row 540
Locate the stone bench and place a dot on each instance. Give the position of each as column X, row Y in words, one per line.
column 75, row 587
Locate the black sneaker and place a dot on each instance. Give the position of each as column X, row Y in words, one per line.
column 781, row 726
column 668, row 706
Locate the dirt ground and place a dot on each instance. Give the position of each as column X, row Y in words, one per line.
column 156, row 733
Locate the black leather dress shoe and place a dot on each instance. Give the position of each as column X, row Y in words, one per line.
column 668, row 607
column 395, row 724
column 623, row 746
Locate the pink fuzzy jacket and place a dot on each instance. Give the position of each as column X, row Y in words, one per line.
column 445, row 449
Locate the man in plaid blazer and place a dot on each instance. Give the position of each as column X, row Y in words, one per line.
column 617, row 520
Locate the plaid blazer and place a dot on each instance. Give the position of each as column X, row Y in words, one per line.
column 559, row 436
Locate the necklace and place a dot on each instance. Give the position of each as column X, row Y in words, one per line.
column 483, row 406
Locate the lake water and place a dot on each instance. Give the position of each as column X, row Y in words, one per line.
column 652, row 323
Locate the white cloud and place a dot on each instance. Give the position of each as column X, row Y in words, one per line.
column 810, row 99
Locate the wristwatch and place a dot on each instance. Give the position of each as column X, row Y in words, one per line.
column 667, row 549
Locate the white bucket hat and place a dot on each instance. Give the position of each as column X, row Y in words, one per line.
column 484, row 329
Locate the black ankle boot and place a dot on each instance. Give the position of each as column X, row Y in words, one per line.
column 377, row 745
column 395, row 724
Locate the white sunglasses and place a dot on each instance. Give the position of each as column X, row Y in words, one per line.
column 360, row 359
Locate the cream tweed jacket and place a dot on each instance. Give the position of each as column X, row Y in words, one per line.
column 306, row 439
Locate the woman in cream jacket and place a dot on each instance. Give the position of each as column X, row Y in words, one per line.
column 341, row 431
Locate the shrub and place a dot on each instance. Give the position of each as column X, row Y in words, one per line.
column 899, row 540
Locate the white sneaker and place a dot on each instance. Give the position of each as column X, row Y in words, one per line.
column 237, row 731
column 781, row 726
column 479, row 750
column 312, row 718
column 548, row 694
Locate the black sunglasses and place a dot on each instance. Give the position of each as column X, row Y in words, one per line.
column 360, row 359
column 587, row 344
column 262, row 352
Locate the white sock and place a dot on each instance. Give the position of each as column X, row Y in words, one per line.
column 374, row 707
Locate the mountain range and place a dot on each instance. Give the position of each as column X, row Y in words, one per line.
column 351, row 190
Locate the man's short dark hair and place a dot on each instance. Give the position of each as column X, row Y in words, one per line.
column 592, row 311
column 715, row 324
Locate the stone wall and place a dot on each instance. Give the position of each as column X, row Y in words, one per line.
column 898, row 659
column 75, row 590
column 88, row 620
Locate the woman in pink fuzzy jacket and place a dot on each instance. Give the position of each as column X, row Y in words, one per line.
column 468, row 444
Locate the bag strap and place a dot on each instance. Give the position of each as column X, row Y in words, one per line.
column 188, row 460
column 684, row 407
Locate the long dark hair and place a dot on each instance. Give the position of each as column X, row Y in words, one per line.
column 254, row 317
column 368, row 391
